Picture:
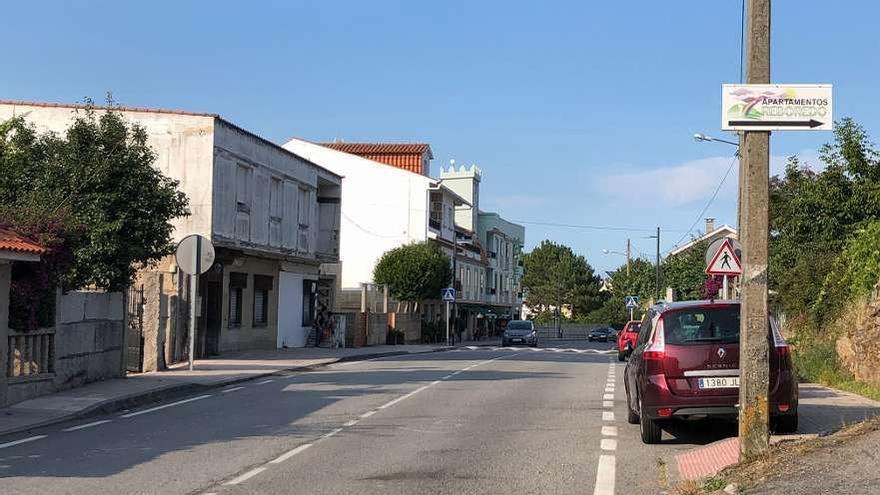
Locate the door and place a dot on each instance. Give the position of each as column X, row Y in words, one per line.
column 290, row 310
column 213, row 316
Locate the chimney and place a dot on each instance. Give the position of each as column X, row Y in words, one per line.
column 710, row 225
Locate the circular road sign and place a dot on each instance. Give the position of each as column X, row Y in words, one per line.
column 195, row 254
column 716, row 245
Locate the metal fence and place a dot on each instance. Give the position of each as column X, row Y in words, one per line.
column 569, row 331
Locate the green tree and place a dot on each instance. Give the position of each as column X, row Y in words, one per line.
column 98, row 182
column 414, row 272
column 555, row 276
column 639, row 282
column 685, row 272
column 813, row 214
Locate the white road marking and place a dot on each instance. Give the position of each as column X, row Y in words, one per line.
column 367, row 414
column 87, row 425
column 233, row 389
column 607, row 415
column 446, row 377
column 290, row 453
column 605, row 474
column 608, row 397
column 246, row 476
column 403, row 397
column 609, row 431
column 607, row 403
column 21, row 441
column 163, row 406
column 350, row 423
column 331, row 433
column 265, row 382
column 609, row 444
column 435, row 382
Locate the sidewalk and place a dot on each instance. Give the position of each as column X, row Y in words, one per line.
column 821, row 411
column 137, row 389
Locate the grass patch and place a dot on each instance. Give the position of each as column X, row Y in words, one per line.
column 714, row 483
column 815, row 360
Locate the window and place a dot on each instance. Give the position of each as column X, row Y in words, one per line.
column 275, row 199
column 237, row 284
column 262, row 286
column 718, row 325
column 308, row 302
column 305, row 197
column 243, row 188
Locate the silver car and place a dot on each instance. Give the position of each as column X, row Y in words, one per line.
column 520, row 332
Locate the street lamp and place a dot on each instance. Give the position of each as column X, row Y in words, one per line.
column 627, row 254
column 702, row 138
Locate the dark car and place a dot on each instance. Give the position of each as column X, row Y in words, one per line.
column 520, row 332
column 686, row 365
column 626, row 340
column 605, row 334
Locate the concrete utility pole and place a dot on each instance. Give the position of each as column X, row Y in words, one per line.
column 657, row 282
column 754, row 437
column 627, row 260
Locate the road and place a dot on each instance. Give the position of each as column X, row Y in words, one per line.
column 483, row 420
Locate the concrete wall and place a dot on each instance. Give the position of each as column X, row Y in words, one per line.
column 248, row 336
column 383, row 207
column 88, row 345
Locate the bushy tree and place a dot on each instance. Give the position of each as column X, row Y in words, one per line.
column 685, row 272
column 555, row 276
column 639, row 282
column 414, row 272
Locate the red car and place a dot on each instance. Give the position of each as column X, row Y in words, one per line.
column 686, row 365
column 626, row 339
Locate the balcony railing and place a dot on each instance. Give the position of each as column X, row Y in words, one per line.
column 31, row 353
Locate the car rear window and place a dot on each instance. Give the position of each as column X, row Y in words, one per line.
column 702, row 326
column 520, row 325
column 635, row 327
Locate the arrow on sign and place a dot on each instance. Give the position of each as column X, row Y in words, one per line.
column 776, row 123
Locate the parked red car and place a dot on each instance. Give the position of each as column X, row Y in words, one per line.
column 686, row 365
column 626, row 339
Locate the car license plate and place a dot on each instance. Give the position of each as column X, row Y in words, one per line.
column 719, row 382
column 516, row 340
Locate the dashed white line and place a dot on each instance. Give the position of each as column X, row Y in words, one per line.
column 87, row 425
column 331, row 433
column 608, row 444
column 609, row 431
column 607, row 403
column 246, row 476
column 265, row 382
column 607, row 415
column 605, row 474
column 163, row 406
column 367, row 414
column 608, row 397
column 21, row 441
column 402, row 397
column 290, row 453
column 351, row 423
column 233, row 389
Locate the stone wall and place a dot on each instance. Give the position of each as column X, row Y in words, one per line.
column 858, row 349
column 410, row 324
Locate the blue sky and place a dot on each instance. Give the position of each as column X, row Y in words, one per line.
column 577, row 112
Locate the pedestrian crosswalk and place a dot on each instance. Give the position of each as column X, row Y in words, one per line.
column 538, row 349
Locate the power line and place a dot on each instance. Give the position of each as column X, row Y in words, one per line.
column 595, row 227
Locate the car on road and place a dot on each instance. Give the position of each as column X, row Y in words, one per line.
column 626, row 339
column 605, row 334
column 520, row 332
column 686, row 366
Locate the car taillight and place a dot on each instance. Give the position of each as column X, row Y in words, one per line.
column 655, row 353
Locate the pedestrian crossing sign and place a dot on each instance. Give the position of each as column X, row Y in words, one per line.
column 725, row 261
column 632, row 302
column 449, row 294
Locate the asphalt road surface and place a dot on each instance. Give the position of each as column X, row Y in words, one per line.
column 482, row 420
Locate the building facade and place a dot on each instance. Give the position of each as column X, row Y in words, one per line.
column 273, row 217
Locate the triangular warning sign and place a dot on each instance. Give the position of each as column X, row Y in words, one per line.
column 725, row 261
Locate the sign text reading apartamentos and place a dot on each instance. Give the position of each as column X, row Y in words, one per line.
column 775, row 107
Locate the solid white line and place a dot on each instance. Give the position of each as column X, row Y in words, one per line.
column 19, row 442
column 233, row 389
column 367, row 414
column 446, row 377
column 163, row 406
column 265, row 382
column 87, row 425
column 435, row 382
column 605, row 475
column 331, row 433
column 290, row 453
column 246, row 476
column 607, row 416
column 608, row 444
column 609, row 431
column 608, row 397
column 607, row 403
column 402, row 397
column 350, row 423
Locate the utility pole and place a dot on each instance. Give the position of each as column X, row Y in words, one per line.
column 657, row 282
column 454, row 288
column 754, row 437
column 627, row 261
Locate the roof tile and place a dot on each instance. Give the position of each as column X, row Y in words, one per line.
column 13, row 241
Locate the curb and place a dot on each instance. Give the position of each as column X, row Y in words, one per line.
column 174, row 391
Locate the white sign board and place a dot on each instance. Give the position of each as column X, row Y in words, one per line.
column 632, row 302
column 725, row 261
column 194, row 254
column 776, row 107
column 449, row 294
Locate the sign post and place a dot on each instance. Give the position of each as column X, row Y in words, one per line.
column 632, row 302
column 194, row 255
column 724, row 262
column 448, row 298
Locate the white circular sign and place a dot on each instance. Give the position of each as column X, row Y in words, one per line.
column 195, row 254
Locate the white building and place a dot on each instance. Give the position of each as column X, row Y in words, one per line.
column 272, row 215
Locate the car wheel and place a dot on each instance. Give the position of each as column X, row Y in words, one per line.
column 621, row 356
column 651, row 433
column 785, row 425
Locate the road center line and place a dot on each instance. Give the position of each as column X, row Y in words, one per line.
column 367, row 414
column 331, row 433
column 265, row 382
column 21, row 441
column 607, row 415
column 350, row 423
column 87, row 425
column 233, row 389
column 609, row 431
column 608, row 397
column 163, row 406
column 246, row 476
column 402, row 397
column 607, row 403
column 290, row 453
column 609, row 444
column 605, row 474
